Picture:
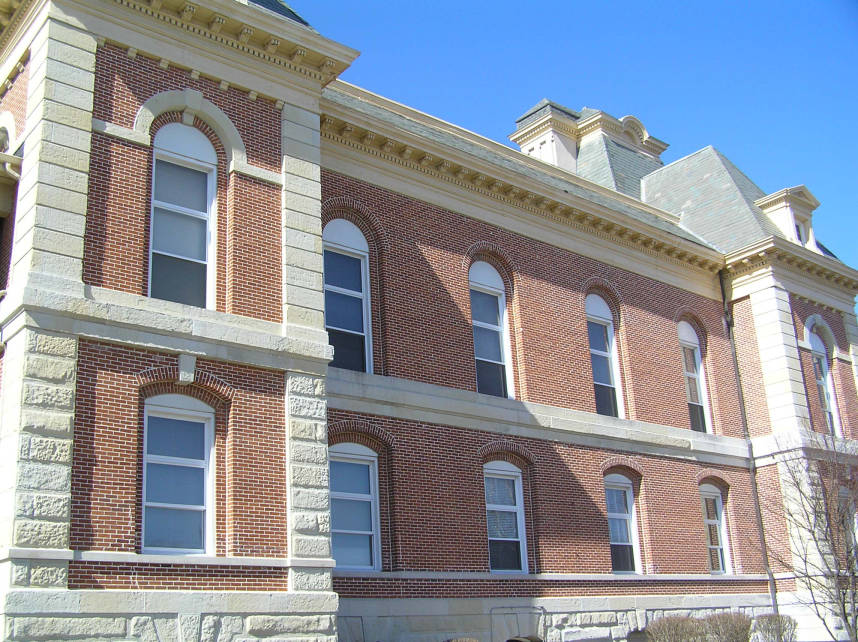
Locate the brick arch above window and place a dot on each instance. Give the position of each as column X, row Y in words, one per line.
column 191, row 105
column 623, row 465
column 608, row 293
column 360, row 432
column 506, row 450
column 689, row 316
column 494, row 256
column 717, row 478
column 206, row 387
column 356, row 212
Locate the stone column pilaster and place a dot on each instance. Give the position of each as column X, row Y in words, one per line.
column 851, row 324
column 782, row 375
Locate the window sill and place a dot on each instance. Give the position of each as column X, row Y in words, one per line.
column 62, row 554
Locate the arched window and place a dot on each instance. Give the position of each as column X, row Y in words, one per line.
column 178, row 513
column 716, row 531
column 354, row 506
column 603, row 357
column 347, row 311
column 622, row 524
column 695, row 378
column 505, row 517
column 491, row 340
column 820, row 355
column 181, row 247
column 847, row 519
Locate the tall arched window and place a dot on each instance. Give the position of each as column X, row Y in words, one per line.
column 603, row 357
column 354, row 507
column 491, row 339
column 178, row 513
column 695, row 378
column 505, row 517
column 622, row 524
column 716, row 530
column 181, row 265
column 821, row 356
column 347, row 311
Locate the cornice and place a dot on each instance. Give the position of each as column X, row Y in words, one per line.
column 799, row 195
column 775, row 251
column 12, row 14
column 246, row 30
column 479, row 179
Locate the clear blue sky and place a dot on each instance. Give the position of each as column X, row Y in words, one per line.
column 772, row 84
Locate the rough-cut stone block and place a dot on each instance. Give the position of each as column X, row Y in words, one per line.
column 49, row 369
column 306, row 407
column 311, row 454
column 310, row 579
column 309, row 430
column 39, row 476
column 311, row 499
column 62, row 628
column 20, row 573
column 47, row 449
column 50, row 574
column 41, row 396
column 43, row 506
column 310, row 476
column 50, row 422
column 304, row 546
column 271, row 625
column 189, row 627
column 39, row 534
column 56, row 345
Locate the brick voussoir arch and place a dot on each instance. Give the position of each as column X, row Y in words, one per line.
column 494, row 256
column 342, row 431
column 492, row 450
column 715, row 477
column 205, row 386
column 606, row 290
column 632, row 464
column 693, row 319
column 356, row 212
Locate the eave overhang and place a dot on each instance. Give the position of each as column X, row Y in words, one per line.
column 776, row 251
column 369, row 135
column 788, row 196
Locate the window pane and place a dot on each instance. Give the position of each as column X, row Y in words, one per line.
column 504, row 555
column 716, row 559
column 171, row 528
column 710, row 508
column 179, row 234
column 619, row 529
column 484, row 307
column 502, row 524
column 616, row 501
column 712, row 533
column 178, row 280
column 500, row 491
column 601, row 369
column 598, row 336
column 622, row 557
column 343, row 311
column 342, row 271
column 491, row 378
column 606, row 400
column 352, row 550
column 487, row 344
column 349, row 477
column 351, row 515
column 175, row 437
column 691, row 390
column 823, row 396
column 181, row 186
column 698, row 417
column 349, row 350
column 167, row 484
column 690, row 356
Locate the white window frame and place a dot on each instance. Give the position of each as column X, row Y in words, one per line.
column 598, row 312
column 187, row 151
column 688, row 339
column 344, row 237
column 482, row 277
column 713, row 492
column 619, row 482
column 172, row 406
column 505, row 470
column 357, row 454
column 819, row 355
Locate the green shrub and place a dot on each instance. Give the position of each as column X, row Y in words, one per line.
column 727, row 627
column 676, row 629
column 774, row 628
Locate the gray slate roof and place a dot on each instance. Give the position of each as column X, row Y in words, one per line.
column 713, row 198
column 280, row 8
column 452, row 140
column 607, row 162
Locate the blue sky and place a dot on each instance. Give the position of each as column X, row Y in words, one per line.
column 772, row 84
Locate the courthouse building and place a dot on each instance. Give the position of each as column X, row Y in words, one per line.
column 284, row 359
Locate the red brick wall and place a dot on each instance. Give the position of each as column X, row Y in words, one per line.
column 250, row 482
column 433, row 480
column 774, row 519
column 14, row 100
column 425, row 313
column 748, row 353
column 116, row 247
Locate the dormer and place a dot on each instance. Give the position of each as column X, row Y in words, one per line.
column 615, row 153
column 791, row 210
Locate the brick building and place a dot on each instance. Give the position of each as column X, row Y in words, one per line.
column 537, row 419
